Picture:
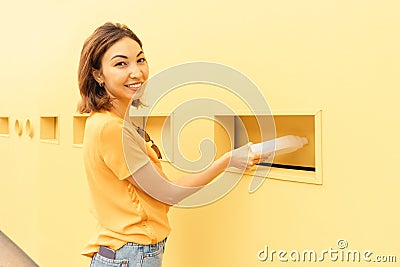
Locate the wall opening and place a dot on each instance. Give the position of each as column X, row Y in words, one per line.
column 79, row 123
column 4, row 126
column 303, row 165
column 49, row 129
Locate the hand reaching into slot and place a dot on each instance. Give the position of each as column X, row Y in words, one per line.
column 244, row 158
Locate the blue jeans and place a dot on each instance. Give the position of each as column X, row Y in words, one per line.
column 133, row 255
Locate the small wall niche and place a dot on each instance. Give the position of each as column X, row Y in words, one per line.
column 18, row 127
column 300, row 125
column 303, row 165
column 78, row 128
column 159, row 127
column 4, row 126
column 29, row 128
column 49, row 129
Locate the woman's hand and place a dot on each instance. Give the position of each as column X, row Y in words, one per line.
column 243, row 158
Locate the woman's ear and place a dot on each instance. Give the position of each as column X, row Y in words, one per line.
column 97, row 76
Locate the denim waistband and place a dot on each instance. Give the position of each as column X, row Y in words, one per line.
column 147, row 248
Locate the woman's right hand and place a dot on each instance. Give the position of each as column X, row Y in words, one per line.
column 243, row 157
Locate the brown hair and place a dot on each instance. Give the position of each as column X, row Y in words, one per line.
column 94, row 96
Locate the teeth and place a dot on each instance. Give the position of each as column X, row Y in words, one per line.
column 136, row 85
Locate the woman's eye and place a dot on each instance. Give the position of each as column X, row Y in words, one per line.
column 121, row 64
column 141, row 60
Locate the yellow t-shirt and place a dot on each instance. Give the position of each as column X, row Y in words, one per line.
column 124, row 212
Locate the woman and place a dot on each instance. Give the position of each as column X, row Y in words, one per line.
column 132, row 224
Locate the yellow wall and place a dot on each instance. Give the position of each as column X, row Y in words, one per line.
column 339, row 56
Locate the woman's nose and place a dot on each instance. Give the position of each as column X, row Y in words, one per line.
column 135, row 72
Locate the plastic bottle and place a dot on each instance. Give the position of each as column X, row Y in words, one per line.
column 281, row 145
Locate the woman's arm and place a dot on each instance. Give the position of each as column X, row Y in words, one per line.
column 156, row 184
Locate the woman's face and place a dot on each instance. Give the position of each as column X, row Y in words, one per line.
column 123, row 70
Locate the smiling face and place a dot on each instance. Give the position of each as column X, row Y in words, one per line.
column 123, row 71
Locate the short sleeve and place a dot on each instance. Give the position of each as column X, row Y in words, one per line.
column 115, row 144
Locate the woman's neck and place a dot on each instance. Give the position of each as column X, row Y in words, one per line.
column 119, row 108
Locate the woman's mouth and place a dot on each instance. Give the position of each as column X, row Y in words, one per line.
column 134, row 86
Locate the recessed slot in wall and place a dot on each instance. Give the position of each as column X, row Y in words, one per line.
column 4, row 126
column 29, row 128
column 18, row 127
column 79, row 123
column 303, row 165
column 300, row 125
column 49, row 129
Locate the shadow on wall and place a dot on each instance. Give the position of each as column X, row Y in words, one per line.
column 11, row 255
